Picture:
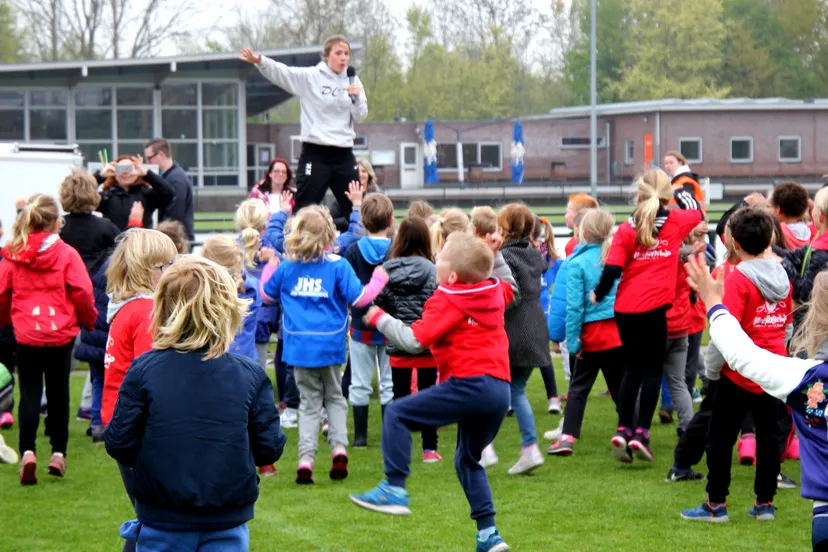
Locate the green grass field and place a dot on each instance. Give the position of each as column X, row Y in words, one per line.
column 586, row 502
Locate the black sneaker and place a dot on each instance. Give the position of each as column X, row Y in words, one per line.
column 97, row 433
column 785, row 482
column 640, row 446
column 676, row 476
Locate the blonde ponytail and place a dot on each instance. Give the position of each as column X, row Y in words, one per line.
column 596, row 227
column 223, row 251
column 251, row 220
column 654, row 191
column 39, row 215
column 450, row 221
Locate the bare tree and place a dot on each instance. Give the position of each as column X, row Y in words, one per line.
column 44, row 24
column 83, row 19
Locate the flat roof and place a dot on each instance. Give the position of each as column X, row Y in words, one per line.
column 675, row 105
column 261, row 94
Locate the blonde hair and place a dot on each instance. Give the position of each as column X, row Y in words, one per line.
column 813, row 331
column 449, row 221
column 469, row 257
column 197, row 306
column 484, row 220
column 40, row 214
column 677, row 154
column 821, row 202
column 79, row 192
column 223, row 251
column 422, row 209
column 654, row 191
column 312, row 233
column 176, row 232
column 138, row 253
column 251, row 219
column 596, row 227
column 371, row 185
column 516, row 221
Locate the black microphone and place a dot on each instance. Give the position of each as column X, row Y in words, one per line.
column 351, row 72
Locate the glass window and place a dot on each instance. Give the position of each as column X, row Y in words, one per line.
column 490, row 155
column 11, row 125
column 47, row 124
column 741, row 150
column 219, row 94
column 691, row 148
column 222, row 155
column 178, row 94
column 580, row 141
column 469, row 154
column 629, row 152
column 93, row 97
column 134, row 96
column 221, row 180
column 410, row 153
column 9, row 98
column 220, row 123
column 789, row 149
column 47, row 97
column 135, row 124
column 447, row 155
column 90, row 151
column 93, row 124
column 131, row 148
column 186, row 155
column 179, row 124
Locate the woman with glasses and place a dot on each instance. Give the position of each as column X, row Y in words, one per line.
column 269, row 189
column 131, row 194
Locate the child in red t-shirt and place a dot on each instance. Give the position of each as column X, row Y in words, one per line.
column 463, row 325
column 758, row 294
column 644, row 254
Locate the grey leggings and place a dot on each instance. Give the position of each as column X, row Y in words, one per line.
column 675, row 362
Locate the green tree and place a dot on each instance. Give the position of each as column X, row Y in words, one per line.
column 10, row 45
column 675, row 50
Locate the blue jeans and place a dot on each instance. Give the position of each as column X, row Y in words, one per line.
column 521, row 406
column 96, row 373
column 666, row 397
column 149, row 539
column 477, row 405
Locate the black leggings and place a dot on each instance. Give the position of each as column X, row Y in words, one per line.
column 644, row 339
column 548, row 373
column 586, row 370
column 426, row 377
column 34, row 364
column 323, row 167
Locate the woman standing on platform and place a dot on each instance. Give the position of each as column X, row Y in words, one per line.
column 331, row 102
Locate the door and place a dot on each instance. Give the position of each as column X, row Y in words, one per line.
column 411, row 166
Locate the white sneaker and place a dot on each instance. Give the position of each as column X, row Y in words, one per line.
column 530, row 458
column 554, row 405
column 555, row 434
column 7, row 454
column 489, row 457
column 290, row 418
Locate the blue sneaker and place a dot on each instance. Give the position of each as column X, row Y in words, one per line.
column 763, row 512
column 494, row 543
column 706, row 512
column 384, row 499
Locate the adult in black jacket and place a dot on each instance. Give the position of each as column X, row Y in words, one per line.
column 92, row 236
column 121, row 191
column 182, row 209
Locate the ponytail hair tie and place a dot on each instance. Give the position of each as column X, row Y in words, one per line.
column 543, row 220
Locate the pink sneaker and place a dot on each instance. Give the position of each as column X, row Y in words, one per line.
column 431, row 457
column 747, row 449
column 791, row 451
column 6, row 420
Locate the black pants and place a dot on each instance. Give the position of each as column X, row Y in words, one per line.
column 346, row 378
column 323, row 167
column 285, row 382
column 426, row 377
column 693, row 367
column 34, row 365
column 693, row 441
column 548, row 373
column 730, row 404
column 611, row 364
column 644, row 340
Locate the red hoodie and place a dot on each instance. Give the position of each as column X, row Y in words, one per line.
column 129, row 337
column 45, row 292
column 794, row 242
column 464, row 327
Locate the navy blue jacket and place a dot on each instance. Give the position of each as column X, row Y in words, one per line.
column 193, row 432
column 92, row 346
column 182, row 207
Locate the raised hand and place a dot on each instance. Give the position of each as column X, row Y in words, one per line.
column 354, row 193
column 494, row 241
column 137, row 211
column 108, row 170
column 138, row 162
column 286, row 203
column 266, row 253
column 248, row 56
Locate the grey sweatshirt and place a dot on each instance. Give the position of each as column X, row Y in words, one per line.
column 772, row 281
column 328, row 116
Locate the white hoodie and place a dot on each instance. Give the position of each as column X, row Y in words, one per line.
column 328, row 115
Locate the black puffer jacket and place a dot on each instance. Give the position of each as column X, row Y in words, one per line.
column 116, row 203
column 411, row 282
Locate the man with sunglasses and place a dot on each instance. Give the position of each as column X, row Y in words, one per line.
column 182, row 209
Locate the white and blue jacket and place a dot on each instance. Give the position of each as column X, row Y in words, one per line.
column 801, row 383
column 315, row 298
